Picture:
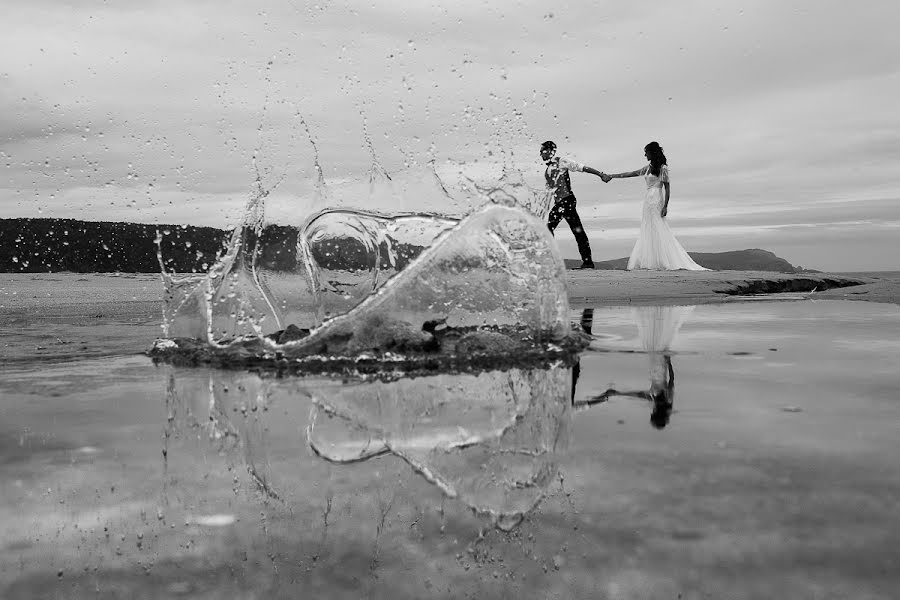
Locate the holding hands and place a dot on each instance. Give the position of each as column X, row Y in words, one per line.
column 606, row 178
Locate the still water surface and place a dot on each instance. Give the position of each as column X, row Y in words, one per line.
column 743, row 451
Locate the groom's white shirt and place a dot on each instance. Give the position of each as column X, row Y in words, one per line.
column 557, row 176
column 570, row 165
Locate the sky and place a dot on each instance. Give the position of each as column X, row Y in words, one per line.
column 779, row 119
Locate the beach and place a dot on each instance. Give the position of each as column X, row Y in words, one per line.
column 774, row 477
column 617, row 288
column 136, row 298
column 105, row 314
column 291, row 301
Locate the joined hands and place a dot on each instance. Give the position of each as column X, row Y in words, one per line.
column 606, row 178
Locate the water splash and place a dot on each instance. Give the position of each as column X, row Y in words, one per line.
column 510, row 189
column 320, row 197
column 491, row 291
column 271, row 276
column 229, row 301
column 338, row 256
column 184, row 302
column 268, row 277
column 239, row 302
column 501, row 269
column 500, row 266
column 353, row 286
column 352, row 253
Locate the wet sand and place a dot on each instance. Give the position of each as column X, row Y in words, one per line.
column 102, row 314
column 137, row 296
column 617, row 288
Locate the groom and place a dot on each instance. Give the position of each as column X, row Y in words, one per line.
column 557, row 177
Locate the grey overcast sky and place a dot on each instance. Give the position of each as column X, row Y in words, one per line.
column 779, row 118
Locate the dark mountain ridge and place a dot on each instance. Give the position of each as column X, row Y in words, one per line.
column 55, row 245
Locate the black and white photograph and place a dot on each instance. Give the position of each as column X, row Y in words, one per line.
column 445, row 299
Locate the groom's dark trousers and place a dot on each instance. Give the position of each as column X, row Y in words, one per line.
column 565, row 209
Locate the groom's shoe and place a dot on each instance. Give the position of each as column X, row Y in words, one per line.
column 588, row 264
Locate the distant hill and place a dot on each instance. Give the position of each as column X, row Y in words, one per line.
column 752, row 259
column 56, row 245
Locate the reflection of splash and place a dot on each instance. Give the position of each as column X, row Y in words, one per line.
column 490, row 441
column 201, row 403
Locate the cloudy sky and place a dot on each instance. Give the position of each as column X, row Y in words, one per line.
column 779, row 119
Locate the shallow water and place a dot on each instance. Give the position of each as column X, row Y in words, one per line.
column 774, row 476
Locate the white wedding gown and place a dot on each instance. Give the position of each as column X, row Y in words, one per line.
column 657, row 328
column 656, row 247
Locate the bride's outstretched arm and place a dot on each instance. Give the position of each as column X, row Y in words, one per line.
column 623, row 175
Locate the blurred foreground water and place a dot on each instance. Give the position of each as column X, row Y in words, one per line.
column 768, row 470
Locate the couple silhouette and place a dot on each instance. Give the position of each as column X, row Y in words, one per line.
column 656, row 247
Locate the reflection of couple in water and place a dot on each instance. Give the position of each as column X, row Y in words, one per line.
column 656, row 247
column 657, row 327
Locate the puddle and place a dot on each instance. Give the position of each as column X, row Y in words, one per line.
column 684, row 439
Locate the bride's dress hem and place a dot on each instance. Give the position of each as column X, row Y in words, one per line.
column 663, row 269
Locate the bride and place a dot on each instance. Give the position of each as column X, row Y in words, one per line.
column 656, row 247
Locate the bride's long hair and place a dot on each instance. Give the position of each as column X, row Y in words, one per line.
column 657, row 158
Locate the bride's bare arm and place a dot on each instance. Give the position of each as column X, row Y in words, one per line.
column 628, row 174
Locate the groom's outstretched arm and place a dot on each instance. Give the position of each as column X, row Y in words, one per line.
column 571, row 165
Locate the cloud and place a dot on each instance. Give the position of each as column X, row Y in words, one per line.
column 772, row 115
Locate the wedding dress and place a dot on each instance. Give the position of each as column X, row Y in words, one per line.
column 657, row 328
column 658, row 325
column 656, row 247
